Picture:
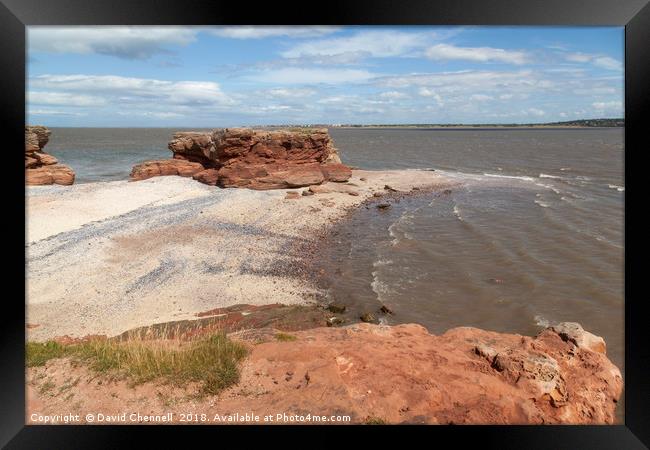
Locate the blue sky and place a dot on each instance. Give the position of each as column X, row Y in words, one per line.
column 229, row 76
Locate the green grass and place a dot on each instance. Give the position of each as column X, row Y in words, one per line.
column 284, row 337
column 212, row 361
column 39, row 353
column 374, row 421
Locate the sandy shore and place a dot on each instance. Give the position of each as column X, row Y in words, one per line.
column 103, row 258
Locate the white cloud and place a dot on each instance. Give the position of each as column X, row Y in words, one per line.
column 481, row 97
column 607, row 63
column 63, row 99
column 578, row 57
column 295, row 75
column 53, row 112
column 259, row 32
column 425, row 92
column 380, row 44
column 536, row 112
column 480, row 54
column 129, row 89
column 139, row 42
column 289, row 93
column 604, row 62
column 466, row 80
column 596, row 90
column 337, row 99
column 610, row 105
column 393, row 95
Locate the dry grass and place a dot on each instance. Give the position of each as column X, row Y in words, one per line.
column 211, row 361
column 284, row 337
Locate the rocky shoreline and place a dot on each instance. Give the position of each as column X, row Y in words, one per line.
column 170, row 258
column 119, row 255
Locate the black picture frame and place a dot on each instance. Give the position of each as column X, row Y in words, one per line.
column 15, row 15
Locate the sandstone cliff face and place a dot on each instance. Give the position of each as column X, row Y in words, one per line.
column 41, row 168
column 255, row 159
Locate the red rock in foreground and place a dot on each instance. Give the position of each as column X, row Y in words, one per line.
column 41, row 168
column 465, row 376
column 256, row 159
column 389, row 374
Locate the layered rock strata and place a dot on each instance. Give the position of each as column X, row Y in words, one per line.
column 40, row 167
column 254, row 159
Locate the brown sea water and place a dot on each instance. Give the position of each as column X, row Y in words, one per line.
column 532, row 238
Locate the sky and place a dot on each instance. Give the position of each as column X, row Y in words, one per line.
column 224, row 76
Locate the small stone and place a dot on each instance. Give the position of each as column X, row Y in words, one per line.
column 389, row 188
column 334, row 321
column 447, row 191
column 368, row 318
column 307, row 193
column 385, row 309
column 377, row 194
column 353, row 193
column 362, row 179
column 383, row 205
column 415, row 188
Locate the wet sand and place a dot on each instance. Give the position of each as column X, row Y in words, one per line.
column 103, row 258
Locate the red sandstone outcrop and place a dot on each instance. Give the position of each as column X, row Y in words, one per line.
column 41, row 168
column 178, row 167
column 464, row 376
column 390, row 374
column 256, row 159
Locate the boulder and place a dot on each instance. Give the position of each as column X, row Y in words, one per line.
column 260, row 159
column 51, row 174
column 336, row 172
column 40, row 167
column 178, row 167
column 207, row 176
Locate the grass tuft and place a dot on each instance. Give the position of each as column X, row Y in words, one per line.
column 374, row 421
column 39, row 353
column 284, row 337
column 211, row 361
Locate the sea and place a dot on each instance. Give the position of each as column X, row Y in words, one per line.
column 532, row 236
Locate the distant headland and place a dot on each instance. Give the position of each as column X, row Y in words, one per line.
column 584, row 123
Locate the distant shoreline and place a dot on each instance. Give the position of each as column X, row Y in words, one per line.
column 476, row 127
column 572, row 124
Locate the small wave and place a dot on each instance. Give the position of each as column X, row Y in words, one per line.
column 378, row 287
column 543, row 175
column 542, row 204
column 513, row 177
column 382, row 262
column 618, row 188
column 457, row 213
column 548, row 186
column 564, row 169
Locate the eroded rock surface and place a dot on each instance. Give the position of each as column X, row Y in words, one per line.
column 41, row 168
column 390, row 374
column 255, row 159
